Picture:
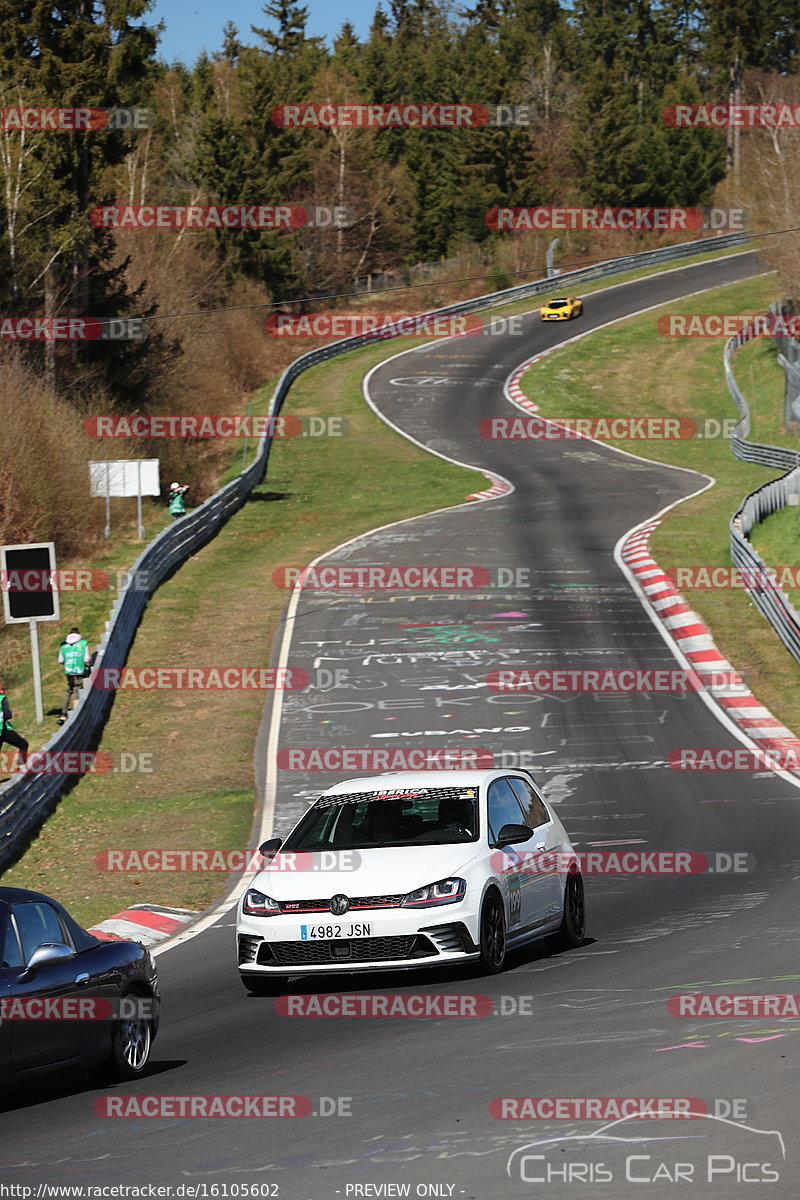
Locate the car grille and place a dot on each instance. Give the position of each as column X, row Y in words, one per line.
column 248, row 946
column 358, row 902
column 373, row 949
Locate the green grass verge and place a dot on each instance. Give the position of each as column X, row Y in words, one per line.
column 777, row 540
column 762, row 381
column 634, row 371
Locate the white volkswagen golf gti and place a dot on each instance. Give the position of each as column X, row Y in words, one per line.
column 407, row 870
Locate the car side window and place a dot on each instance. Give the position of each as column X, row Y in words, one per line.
column 11, row 954
column 503, row 807
column 535, row 812
column 37, row 922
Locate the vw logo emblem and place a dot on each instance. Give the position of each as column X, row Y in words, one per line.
column 339, row 905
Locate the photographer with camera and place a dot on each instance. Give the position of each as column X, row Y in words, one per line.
column 176, row 504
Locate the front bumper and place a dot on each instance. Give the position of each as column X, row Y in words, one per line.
column 396, row 939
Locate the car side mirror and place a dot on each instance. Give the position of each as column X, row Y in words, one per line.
column 47, row 955
column 512, row 833
column 270, row 849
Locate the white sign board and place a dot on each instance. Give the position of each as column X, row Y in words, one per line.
column 125, row 477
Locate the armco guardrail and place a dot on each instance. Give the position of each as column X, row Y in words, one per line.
column 755, row 452
column 26, row 802
column 773, row 603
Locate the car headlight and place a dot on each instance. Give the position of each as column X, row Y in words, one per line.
column 446, row 891
column 256, row 904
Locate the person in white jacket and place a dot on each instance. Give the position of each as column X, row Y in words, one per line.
column 74, row 657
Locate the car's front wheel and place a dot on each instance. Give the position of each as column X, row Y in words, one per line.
column 493, row 934
column 573, row 923
column 131, row 1042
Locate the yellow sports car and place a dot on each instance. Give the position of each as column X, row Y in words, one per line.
column 562, row 309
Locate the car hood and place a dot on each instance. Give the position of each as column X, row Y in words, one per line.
column 380, row 871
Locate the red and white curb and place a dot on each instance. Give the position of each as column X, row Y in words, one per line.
column 514, row 392
column 500, row 487
column 513, row 388
column 694, row 641
column 145, row 923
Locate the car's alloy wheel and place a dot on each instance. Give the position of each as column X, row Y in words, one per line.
column 493, row 934
column 573, row 923
column 134, row 1043
column 131, row 1042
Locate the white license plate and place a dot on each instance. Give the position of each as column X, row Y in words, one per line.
column 328, row 932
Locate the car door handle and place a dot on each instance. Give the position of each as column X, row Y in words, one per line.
column 540, row 846
column 81, row 979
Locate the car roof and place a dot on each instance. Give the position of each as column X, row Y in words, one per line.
column 14, row 895
column 417, row 779
column 81, row 937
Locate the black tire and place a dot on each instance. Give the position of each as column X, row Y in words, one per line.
column 263, row 985
column 573, row 923
column 131, row 1043
column 493, row 935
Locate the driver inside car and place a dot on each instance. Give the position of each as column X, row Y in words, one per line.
column 457, row 813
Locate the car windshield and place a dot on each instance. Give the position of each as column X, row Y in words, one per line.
column 401, row 817
column 558, row 303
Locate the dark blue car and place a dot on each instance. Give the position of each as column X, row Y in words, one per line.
column 69, row 1000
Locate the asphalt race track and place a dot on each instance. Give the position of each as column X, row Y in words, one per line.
column 590, row 1023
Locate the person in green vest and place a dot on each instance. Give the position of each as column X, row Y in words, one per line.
column 176, row 502
column 74, row 657
column 7, row 732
